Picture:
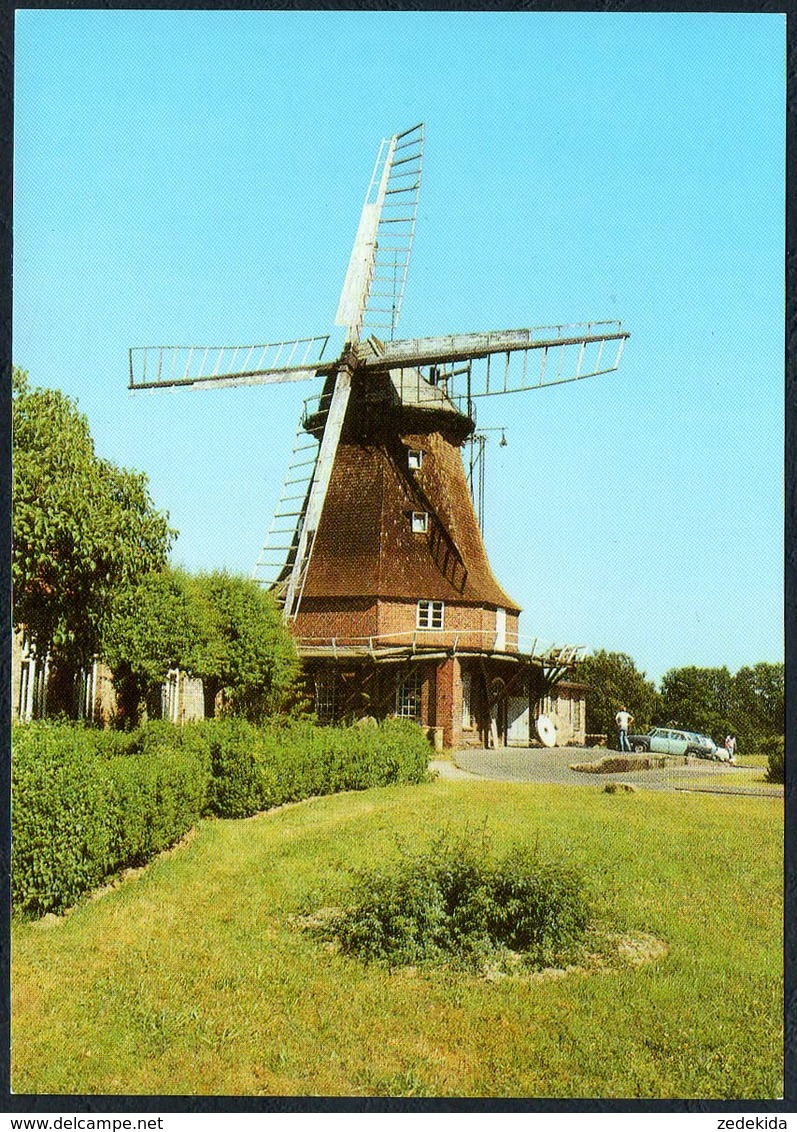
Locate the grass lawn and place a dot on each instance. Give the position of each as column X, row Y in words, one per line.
column 195, row 976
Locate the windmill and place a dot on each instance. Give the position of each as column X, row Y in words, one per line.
column 375, row 553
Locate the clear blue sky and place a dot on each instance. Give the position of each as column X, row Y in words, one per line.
column 197, row 177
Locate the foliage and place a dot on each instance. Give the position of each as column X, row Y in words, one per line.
column 285, row 761
column 155, row 625
column 453, row 902
column 246, row 652
column 237, row 787
column 773, row 747
column 83, row 528
column 699, row 699
column 758, row 703
column 88, row 802
column 613, row 680
column 710, row 700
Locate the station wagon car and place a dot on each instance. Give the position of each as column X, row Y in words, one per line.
column 663, row 741
column 675, row 741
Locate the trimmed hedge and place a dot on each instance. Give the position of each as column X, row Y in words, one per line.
column 87, row 803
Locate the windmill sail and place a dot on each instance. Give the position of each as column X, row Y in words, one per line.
column 165, row 367
column 561, row 353
column 374, row 285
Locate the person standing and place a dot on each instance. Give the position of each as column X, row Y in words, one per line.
column 730, row 747
column 623, row 721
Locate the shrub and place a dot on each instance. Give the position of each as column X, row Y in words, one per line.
column 454, row 902
column 773, row 748
column 85, row 804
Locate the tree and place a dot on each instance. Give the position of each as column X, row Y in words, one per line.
column 758, row 703
column 247, row 652
column 155, row 625
column 84, row 530
column 613, row 680
column 698, row 699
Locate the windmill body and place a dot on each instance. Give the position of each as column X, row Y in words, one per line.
column 375, row 552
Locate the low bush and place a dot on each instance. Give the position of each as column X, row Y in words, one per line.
column 454, row 902
column 774, row 749
column 87, row 802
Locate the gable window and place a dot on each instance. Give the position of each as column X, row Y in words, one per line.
column 419, row 522
column 414, row 459
column 430, row 615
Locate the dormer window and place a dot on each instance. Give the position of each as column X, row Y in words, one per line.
column 419, row 521
column 414, row 459
column 430, row 615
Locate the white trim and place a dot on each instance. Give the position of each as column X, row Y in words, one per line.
column 430, row 614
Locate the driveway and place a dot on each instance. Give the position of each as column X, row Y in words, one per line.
column 552, row 765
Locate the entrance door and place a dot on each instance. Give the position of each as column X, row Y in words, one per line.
column 517, row 721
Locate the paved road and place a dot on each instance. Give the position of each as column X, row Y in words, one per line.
column 552, row 765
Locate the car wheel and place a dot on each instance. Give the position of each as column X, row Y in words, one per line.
column 640, row 748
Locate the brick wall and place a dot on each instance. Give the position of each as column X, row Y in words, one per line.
column 337, row 617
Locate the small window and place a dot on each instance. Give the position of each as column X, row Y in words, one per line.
column 430, row 615
column 414, row 459
column 419, row 522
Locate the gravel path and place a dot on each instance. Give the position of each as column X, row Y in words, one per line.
column 552, row 765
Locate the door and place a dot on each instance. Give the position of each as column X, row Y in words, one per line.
column 517, row 721
column 678, row 743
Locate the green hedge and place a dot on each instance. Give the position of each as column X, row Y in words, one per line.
column 86, row 803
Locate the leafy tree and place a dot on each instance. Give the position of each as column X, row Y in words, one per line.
column 749, row 704
column 699, row 699
column 613, row 680
column 247, row 653
column 157, row 624
column 84, row 530
column 758, row 703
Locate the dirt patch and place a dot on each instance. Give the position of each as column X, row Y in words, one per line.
column 619, row 788
column 608, row 951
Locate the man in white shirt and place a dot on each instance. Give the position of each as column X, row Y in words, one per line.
column 623, row 721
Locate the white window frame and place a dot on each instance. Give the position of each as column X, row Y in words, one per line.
column 419, row 522
column 414, row 459
column 430, row 615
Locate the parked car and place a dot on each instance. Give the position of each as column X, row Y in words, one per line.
column 675, row 741
column 706, row 748
column 663, row 741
